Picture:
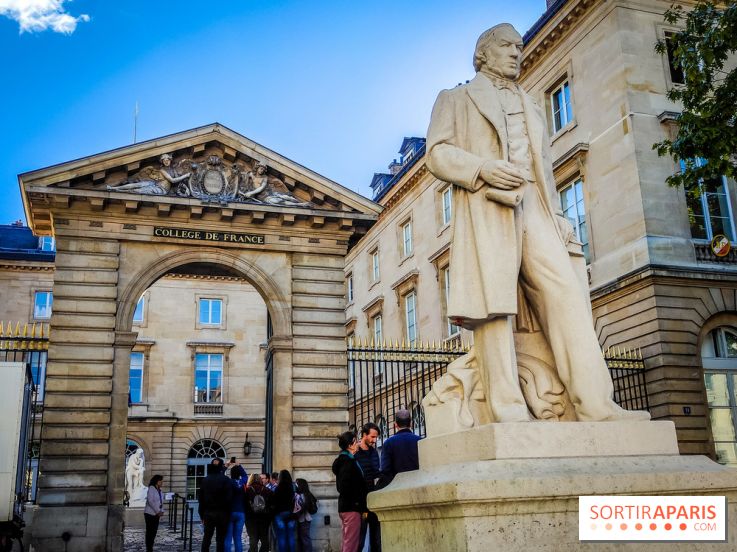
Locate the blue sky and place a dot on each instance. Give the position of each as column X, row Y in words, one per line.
column 334, row 86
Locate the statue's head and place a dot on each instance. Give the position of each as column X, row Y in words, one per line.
column 260, row 168
column 499, row 52
column 165, row 159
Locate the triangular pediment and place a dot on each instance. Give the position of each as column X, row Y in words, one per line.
column 210, row 167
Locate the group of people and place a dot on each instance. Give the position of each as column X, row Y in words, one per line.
column 261, row 503
column 358, row 471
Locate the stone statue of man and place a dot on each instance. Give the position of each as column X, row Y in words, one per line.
column 489, row 139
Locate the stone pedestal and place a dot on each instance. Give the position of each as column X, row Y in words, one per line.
column 516, row 486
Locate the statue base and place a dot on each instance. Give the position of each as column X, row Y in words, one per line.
column 477, row 491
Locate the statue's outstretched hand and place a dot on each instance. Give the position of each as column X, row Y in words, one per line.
column 502, row 175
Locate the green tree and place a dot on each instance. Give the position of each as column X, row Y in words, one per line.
column 704, row 52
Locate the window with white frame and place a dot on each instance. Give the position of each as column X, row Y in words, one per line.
column 47, row 243
column 446, row 197
column 407, row 239
column 42, row 302
column 135, row 378
column 709, row 209
column 349, row 288
column 410, row 316
column 560, row 106
column 376, row 329
column 452, row 328
column 375, row 269
column 572, row 204
column 719, row 358
column 211, row 312
column 351, row 363
column 208, row 378
column 37, row 360
column 138, row 313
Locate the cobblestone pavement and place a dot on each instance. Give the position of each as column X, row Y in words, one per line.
column 166, row 541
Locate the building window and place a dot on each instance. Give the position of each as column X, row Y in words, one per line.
column 42, row 302
column 135, row 379
column 37, row 360
column 375, row 272
column 447, row 204
column 418, row 419
column 571, row 202
column 208, row 378
column 407, row 239
column 199, row 461
column 560, row 105
column 710, row 214
column 46, row 243
column 383, row 426
column 211, row 312
column 410, row 316
column 719, row 358
column 351, row 363
column 676, row 73
column 349, row 287
column 452, row 328
column 138, row 313
column 376, row 329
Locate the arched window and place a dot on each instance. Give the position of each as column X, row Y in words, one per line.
column 719, row 358
column 383, row 430
column 130, row 447
column 198, row 462
column 418, row 419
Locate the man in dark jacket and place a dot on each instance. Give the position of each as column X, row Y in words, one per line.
column 399, row 453
column 368, row 458
column 215, row 496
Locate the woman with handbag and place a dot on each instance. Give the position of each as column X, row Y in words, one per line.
column 286, row 508
column 304, row 520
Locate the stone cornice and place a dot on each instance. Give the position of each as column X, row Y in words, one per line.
column 553, row 30
column 26, row 267
column 404, row 186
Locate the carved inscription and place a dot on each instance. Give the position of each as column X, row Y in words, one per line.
column 208, row 235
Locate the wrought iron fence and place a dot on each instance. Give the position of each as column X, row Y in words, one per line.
column 27, row 343
column 385, row 378
column 628, row 375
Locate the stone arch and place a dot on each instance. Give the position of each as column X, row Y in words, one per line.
column 276, row 301
column 718, row 320
column 141, row 442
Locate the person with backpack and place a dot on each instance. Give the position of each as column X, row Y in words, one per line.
column 304, row 519
column 234, row 536
column 258, row 514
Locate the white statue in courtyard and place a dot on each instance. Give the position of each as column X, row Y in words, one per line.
column 510, row 265
column 134, row 478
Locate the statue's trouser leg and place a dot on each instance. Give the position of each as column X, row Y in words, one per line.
column 494, row 344
column 550, row 285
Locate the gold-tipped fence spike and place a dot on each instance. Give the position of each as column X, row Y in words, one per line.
column 17, row 329
column 25, row 329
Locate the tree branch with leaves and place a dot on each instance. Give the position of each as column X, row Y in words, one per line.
column 703, row 50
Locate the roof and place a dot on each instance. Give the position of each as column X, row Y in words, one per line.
column 544, row 18
column 19, row 244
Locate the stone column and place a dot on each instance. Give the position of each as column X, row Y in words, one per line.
column 319, row 380
column 73, row 488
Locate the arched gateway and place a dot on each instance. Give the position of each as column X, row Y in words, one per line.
column 124, row 218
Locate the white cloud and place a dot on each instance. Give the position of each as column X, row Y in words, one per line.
column 39, row 15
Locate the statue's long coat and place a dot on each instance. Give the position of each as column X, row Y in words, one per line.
column 467, row 129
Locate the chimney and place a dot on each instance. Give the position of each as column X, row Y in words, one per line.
column 395, row 167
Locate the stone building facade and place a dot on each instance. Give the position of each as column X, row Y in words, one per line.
column 655, row 283
column 229, row 214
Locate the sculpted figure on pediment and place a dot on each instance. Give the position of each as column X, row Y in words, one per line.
column 153, row 180
column 269, row 189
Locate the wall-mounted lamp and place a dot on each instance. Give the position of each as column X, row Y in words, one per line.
column 247, row 447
